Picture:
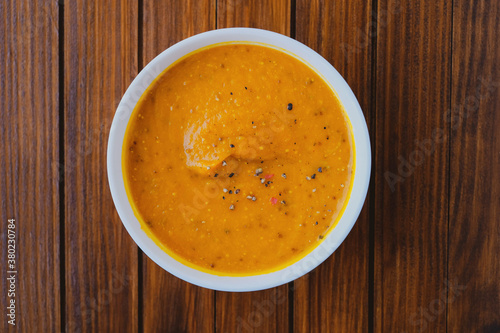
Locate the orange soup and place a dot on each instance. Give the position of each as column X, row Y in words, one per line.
column 238, row 159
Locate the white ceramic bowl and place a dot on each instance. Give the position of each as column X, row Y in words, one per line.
column 333, row 239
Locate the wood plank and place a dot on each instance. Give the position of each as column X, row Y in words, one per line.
column 186, row 307
column 411, row 163
column 100, row 61
column 271, row 15
column 268, row 310
column 473, row 301
column 29, row 182
column 334, row 297
column 258, row 311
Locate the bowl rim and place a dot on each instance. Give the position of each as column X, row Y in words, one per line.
column 334, row 237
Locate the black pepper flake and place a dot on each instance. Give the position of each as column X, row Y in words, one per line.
column 216, row 175
column 316, row 223
column 290, row 106
column 313, row 176
column 320, row 236
column 246, row 88
column 320, row 169
column 224, row 163
column 324, row 127
column 230, row 191
column 231, row 174
column 237, row 191
column 231, row 145
column 223, row 198
column 283, row 175
column 231, row 93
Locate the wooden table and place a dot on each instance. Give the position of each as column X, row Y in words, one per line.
column 424, row 254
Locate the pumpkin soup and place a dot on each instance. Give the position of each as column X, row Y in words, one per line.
column 238, row 159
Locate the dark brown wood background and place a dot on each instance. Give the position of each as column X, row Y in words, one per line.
column 424, row 254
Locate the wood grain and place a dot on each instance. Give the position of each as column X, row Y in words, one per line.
column 271, row 15
column 335, row 296
column 411, row 163
column 258, row 311
column 100, row 61
column 474, row 268
column 268, row 310
column 168, row 22
column 170, row 304
column 29, row 182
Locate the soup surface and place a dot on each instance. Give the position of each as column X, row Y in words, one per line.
column 238, row 159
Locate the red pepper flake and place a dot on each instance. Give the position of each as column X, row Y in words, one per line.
column 269, row 176
column 273, row 200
